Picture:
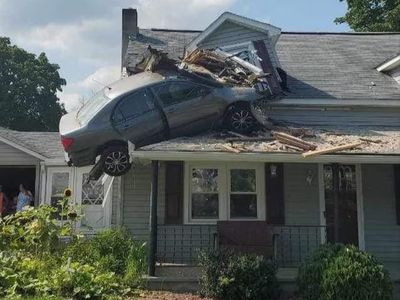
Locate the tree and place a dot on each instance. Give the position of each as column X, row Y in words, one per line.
column 28, row 87
column 372, row 15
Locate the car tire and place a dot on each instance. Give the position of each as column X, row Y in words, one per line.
column 240, row 119
column 115, row 160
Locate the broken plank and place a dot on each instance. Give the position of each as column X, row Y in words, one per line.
column 237, row 134
column 370, row 140
column 332, row 149
column 229, row 149
column 293, row 141
column 250, row 139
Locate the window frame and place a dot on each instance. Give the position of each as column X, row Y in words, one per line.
column 125, row 98
column 224, row 191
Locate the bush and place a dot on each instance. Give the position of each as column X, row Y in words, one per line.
column 83, row 281
column 36, row 263
column 241, row 277
column 112, row 250
column 343, row 272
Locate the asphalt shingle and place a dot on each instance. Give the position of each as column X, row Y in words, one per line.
column 319, row 65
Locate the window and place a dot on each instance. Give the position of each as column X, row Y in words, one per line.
column 133, row 106
column 243, row 193
column 59, row 181
column 176, row 92
column 92, row 192
column 204, row 184
column 95, row 104
column 224, row 192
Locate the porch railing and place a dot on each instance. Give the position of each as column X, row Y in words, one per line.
column 181, row 244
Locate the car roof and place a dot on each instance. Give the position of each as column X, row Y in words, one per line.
column 131, row 83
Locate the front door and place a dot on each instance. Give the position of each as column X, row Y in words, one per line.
column 341, row 203
column 94, row 196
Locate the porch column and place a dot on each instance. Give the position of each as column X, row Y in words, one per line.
column 153, row 219
column 335, row 182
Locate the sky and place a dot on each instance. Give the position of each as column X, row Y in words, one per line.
column 84, row 36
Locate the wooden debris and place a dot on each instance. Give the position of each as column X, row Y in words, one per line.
column 332, row 149
column 370, row 140
column 250, row 139
column 293, row 141
column 229, row 149
column 237, row 134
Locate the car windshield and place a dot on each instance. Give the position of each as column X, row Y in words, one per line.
column 92, row 107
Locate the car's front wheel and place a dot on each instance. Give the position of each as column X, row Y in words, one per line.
column 115, row 160
column 240, row 119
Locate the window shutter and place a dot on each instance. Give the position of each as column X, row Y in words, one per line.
column 397, row 191
column 267, row 66
column 274, row 193
column 174, row 192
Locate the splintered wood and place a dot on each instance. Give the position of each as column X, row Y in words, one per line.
column 292, row 141
column 332, row 149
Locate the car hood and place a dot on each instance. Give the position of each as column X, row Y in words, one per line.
column 244, row 94
column 69, row 123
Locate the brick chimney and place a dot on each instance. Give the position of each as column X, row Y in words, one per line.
column 129, row 30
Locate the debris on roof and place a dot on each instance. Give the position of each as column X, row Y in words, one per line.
column 213, row 66
column 363, row 140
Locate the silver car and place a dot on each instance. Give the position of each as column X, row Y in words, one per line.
column 147, row 108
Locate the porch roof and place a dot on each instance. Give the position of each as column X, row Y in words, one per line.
column 44, row 145
column 375, row 141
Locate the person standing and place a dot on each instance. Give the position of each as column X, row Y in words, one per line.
column 3, row 201
column 24, row 198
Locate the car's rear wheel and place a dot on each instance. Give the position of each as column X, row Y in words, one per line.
column 115, row 160
column 240, row 119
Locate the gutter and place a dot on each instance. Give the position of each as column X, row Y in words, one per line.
column 266, row 157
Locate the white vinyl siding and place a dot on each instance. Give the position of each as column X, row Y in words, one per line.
column 11, row 156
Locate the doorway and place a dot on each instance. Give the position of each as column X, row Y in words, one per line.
column 12, row 177
column 340, row 187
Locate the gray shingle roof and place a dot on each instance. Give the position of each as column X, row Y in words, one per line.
column 340, row 66
column 324, row 65
column 46, row 144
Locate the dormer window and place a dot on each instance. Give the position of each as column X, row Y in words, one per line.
column 392, row 68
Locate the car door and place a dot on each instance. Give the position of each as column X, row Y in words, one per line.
column 188, row 107
column 138, row 118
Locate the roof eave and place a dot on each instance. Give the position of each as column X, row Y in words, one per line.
column 271, row 30
column 266, row 157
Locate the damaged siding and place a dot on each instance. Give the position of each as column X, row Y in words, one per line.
column 136, row 202
column 230, row 34
column 382, row 234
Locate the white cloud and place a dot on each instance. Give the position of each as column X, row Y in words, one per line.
column 180, row 14
column 76, row 93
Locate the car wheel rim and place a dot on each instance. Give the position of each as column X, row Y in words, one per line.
column 242, row 120
column 116, row 162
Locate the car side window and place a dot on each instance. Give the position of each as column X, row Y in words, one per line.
column 176, row 92
column 133, row 106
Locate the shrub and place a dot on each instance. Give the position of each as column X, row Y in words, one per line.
column 343, row 272
column 112, row 250
column 241, row 277
column 35, row 262
column 83, row 281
